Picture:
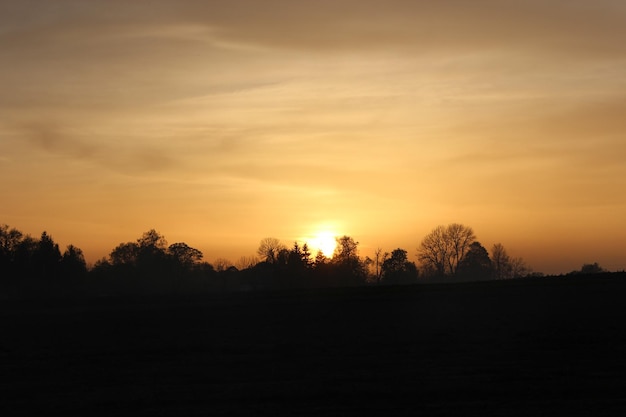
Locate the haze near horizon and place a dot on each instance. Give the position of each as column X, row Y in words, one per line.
column 221, row 123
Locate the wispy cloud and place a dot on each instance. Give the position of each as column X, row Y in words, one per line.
column 75, row 146
column 302, row 110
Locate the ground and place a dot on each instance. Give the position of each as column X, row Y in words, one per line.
column 521, row 348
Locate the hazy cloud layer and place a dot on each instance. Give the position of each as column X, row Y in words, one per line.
column 239, row 117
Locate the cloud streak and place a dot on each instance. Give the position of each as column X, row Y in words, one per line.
column 61, row 142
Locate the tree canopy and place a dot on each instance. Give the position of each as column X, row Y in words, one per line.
column 443, row 248
column 149, row 265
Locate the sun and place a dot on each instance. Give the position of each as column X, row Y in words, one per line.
column 324, row 241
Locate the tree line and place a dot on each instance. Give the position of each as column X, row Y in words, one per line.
column 452, row 251
column 149, row 265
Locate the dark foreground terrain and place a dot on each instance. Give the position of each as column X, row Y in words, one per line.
column 520, row 348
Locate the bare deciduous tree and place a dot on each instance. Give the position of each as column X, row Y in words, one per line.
column 505, row 267
column 519, row 268
column 246, row 262
column 434, row 251
column 379, row 259
column 269, row 248
column 460, row 238
column 500, row 261
column 442, row 249
column 222, row 264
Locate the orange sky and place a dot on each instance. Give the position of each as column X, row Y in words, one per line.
column 219, row 123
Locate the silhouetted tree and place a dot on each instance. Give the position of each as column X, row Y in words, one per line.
column 143, row 266
column 125, row 254
column 321, row 276
column 152, row 240
column 299, row 257
column 500, row 262
column 152, row 250
column 397, row 269
column 519, row 268
column 348, row 267
column 47, row 257
column 460, row 238
column 119, row 273
column 505, row 267
column 434, row 251
column 475, row 264
column 24, row 256
column 149, row 265
column 246, row 262
column 184, row 254
column 346, row 248
column 156, row 273
column 443, row 248
column 35, row 267
column 73, row 265
column 222, row 264
column 269, row 248
column 378, row 261
column 320, row 259
column 368, row 264
column 294, row 266
column 180, row 267
column 282, row 258
column 10, row 268
column 306, row 256
column 593, row 268
column 10, row 238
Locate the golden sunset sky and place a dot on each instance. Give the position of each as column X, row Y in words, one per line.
column 219, row 123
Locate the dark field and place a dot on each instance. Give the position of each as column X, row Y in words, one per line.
column 521, row 348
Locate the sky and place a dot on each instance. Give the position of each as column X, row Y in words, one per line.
column 220, row 123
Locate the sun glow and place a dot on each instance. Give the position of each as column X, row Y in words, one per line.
column 324, row 241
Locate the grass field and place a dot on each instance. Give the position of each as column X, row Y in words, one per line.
column 521, row 348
